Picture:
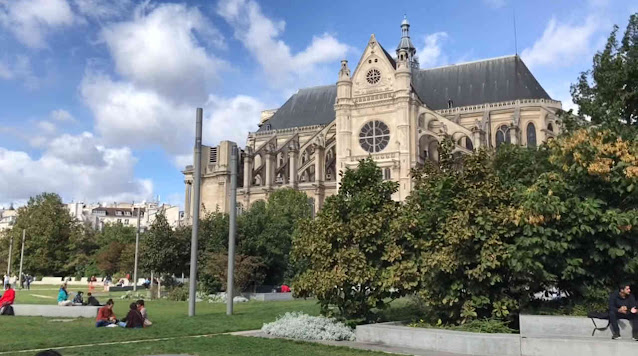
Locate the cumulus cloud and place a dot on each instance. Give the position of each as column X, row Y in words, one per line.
column 61, row 115
column 562, row 44
column 31, row 20
column 19, row 68
column 47, row 127
column 101, row 9
column 76, row 167
column 166, row 48
column 231, row 118
column 261, row 36
column 5, row 72
column 432, row 55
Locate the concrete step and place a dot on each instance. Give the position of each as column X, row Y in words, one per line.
column 581, row 346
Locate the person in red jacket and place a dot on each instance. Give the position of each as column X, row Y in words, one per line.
column 8, row 298
column 105, row 315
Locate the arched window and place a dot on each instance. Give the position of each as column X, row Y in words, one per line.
column 531, row 135
column 502, row 135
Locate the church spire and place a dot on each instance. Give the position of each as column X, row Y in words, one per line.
column 406, row 43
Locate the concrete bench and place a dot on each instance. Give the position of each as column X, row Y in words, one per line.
column 539, row 326
column 55, row 311
column 268, row 297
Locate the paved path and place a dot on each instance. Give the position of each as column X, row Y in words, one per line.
column 356, row 345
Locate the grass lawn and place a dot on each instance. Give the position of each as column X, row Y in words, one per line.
column 169, row 320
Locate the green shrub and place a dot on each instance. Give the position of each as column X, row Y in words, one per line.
column 208, row 284
column 178, row 294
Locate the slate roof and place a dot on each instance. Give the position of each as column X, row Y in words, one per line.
column 487, row 81
column 309, row 106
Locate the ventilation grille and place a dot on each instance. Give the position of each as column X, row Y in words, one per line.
column 213, row 155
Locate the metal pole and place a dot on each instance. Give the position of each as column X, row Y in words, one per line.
column 24, row 232
column 137, row 249
column 231, row 231
column 9, row 262
column 197, row 179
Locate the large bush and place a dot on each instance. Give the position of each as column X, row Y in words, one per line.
column 354, row 261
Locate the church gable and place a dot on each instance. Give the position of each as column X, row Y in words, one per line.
column 375, row 70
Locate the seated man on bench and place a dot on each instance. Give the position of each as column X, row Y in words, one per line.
column 622, row 305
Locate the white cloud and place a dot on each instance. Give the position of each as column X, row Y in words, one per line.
column 127, row 115
column 61, row 115
column 164, row 48
column 432, row 55
column 231, row 118
column 19, row 68
column 103, row 9
column 31, row 20
column 76, row 167
column 261, row 36
column 562, row 44
column 47, row 127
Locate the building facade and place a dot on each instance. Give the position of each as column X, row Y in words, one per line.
column 97, row 215
column 386, row 108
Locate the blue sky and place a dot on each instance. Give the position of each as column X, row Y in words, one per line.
column 98, row 98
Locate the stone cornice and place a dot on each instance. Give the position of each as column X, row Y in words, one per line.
column 499, row 105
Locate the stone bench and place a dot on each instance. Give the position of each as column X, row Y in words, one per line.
column 48, row 310
column 268, row 297
column 539, row 326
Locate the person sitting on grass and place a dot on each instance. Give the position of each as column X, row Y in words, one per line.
column 63, row 295
column 78, row 300
column 134, row 319
column 105, row 315
column 142, row 309
column 622, row 305
column 93, row 301
column 7, row 299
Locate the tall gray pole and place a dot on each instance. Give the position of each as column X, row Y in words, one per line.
column 9, row 262
column 197, row 180
column 24, row 232
column 137, row 249
column 231, row 231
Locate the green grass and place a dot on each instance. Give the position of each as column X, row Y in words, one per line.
column 220, row 345
column 169, row 320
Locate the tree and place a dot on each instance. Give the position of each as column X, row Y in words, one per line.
column 608, row 93
column 50, row 232
column 354, row 261
column 249, row 270
column 163, row 250
column 266, row 229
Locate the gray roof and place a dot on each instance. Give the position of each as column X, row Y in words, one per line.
column 488, row 81
column 309, row 106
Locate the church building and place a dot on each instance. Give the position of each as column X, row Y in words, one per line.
column 387, row 108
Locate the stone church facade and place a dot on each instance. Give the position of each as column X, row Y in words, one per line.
column 387, row 108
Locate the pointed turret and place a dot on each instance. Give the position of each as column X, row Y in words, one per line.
column 406, row 44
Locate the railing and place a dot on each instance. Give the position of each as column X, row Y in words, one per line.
column 497, row 105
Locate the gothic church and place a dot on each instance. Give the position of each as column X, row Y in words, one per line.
column 387, row 108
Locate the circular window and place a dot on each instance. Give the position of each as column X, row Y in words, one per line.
column 374, row 136
column 373, row 76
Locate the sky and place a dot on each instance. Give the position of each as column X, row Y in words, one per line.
column 98, row 98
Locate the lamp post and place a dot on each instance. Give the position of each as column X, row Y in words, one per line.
column 197, row 179
column 137, row 249
column 231, row 231
column 24, row 233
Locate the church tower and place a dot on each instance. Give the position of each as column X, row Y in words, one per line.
column 406, row 45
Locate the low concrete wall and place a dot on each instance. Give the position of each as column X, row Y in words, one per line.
column 563, row 346
column 55, row 311
column 268, row 297
column 468, row 343
column 535, row 326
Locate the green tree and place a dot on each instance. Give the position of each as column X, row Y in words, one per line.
column 266, row 229
column 354, row 261
column 608, row 93
column 163, row 250
column 50, row 232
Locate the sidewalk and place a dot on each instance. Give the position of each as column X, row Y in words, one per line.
column 355, row 345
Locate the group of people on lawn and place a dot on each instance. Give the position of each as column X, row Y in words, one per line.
column 136, row 317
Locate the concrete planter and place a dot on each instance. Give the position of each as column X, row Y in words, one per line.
column 468, row 343
column 55, row 310
column 538, row 326
column 267, row 297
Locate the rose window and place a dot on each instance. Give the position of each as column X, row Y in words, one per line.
column 373, row 76
column 374, row 136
